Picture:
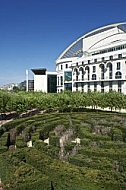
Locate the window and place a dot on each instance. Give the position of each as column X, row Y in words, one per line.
column 81, row 70
column 68, row 76
column 82, row 62
column 88, row 87
column 51, row 83
column 102, row 86
column 76, row 73
column 88, row 61
column 94, row 77
column 88, row 72
column 119, row 56
column 111, row 57
column 102, row 58
column 110, row 75
column 119, row 86
column 95, row 86
column 61, row 67
column 110, row 71
column 66, row 66
column 118, row 75
column 95, row 60
column 110, row 85
column 102, row 71
column 61, row 80
column 82, row 87
column 76, row 77
column 68, row 86
column 118, row 66
column 94, row 69
column 82, row 76
column 76, row 86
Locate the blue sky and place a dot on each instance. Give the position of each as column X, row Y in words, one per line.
column 33, row 33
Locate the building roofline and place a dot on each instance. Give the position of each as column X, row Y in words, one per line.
column 39, row 71
column 90, row 33
column 104, row 27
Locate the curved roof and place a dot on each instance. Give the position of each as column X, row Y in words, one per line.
column 76, row 48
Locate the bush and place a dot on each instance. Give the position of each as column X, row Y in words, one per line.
column 3, row 148
column 3, row 139
column 54, row 140
column 20, row 143
column 35, row 137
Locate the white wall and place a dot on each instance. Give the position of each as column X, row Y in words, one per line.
column 102, row 38
column 40, row 83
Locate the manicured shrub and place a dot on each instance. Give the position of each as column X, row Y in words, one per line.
column 54, row 140
column 3, row 139
column 34, row 137
column 3, row 148
column 69, row 146
column 20, row 143
column 116, row 134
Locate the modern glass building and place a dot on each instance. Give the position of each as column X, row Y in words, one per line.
column 95, row 62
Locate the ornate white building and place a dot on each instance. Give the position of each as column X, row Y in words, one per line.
column 95, row 61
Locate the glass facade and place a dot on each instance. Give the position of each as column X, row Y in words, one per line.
column 68, row 76
column 52, row 83
column 68, row 86
column 75, row 50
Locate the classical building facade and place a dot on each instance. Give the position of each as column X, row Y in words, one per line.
column 95, row 62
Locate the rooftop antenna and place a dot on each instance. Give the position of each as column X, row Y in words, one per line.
column 26, row 80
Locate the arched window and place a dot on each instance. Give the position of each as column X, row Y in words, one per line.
column 75, row 70
column 81, row 70
column 118, row 75
column 102, row 67
column 94, row 77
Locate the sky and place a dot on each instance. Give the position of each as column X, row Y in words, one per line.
column 33, row 33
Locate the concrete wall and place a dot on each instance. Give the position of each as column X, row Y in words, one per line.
column 40, row 83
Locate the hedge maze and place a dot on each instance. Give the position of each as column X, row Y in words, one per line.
column 76, row 150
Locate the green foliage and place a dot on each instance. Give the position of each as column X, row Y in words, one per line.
column 99, row 162
column 53, row 139
column 69, row 146
column 3, row 139
column 20, row 143
column 35, row 137
column 3, row 148
column 66, row 101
